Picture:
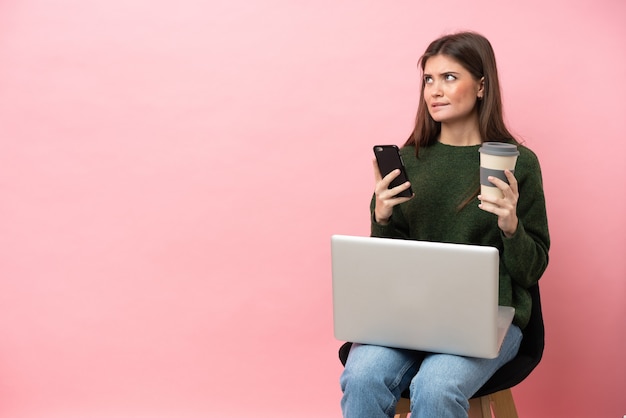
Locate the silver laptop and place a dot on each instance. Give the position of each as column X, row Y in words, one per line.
column 420, row 295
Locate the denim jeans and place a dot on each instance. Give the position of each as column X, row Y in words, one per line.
column 440, row 384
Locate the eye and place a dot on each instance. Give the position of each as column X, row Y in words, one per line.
column 449, row 77
column 428, row 79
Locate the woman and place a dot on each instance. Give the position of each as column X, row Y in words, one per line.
column 459, row 109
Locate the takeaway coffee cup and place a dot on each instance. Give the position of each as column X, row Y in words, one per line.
column 495, row 157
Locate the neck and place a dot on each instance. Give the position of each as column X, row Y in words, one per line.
column 460, row 134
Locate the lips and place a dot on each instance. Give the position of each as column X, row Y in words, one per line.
column 437, row 104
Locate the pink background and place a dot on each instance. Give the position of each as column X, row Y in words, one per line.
column 171, row 173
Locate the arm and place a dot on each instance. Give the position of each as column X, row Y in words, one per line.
column 387, row 219
column 523, row 221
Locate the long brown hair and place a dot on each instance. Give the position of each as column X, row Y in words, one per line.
column 474, row 52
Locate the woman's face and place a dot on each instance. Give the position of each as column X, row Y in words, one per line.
column 450, row 91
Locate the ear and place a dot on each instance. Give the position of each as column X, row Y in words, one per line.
column 481, row 88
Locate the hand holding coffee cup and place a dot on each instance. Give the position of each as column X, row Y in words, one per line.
column 495, row 157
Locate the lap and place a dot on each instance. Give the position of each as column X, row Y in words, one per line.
column 378, row 359
column 391, row 367
column 467, row 373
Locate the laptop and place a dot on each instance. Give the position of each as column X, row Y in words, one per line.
column 420, row 295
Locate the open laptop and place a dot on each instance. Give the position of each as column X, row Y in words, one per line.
column 420, row 295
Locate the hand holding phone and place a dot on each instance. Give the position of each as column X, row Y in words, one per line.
column 388, row 159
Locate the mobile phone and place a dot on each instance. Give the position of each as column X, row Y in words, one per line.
column 388, row 159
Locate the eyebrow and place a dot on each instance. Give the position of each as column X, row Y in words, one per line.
column 443, row 73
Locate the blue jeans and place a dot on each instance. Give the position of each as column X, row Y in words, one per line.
column 440, row 384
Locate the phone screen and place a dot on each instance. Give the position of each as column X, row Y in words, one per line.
column 388, row 159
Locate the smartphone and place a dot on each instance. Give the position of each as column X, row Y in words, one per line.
column 388, row 159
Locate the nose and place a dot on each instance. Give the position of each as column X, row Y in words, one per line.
column 434, row 89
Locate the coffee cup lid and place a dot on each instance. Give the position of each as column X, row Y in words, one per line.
column 499, row 148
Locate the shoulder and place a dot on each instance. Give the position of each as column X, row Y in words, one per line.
column 527, row 168
column 407, row 150
column 527, row 157
column 407, row 153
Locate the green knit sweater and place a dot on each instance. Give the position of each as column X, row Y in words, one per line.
column 442, row 178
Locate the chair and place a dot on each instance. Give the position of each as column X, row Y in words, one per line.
column 495, row 395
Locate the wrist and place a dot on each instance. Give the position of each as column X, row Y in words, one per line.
column 381, row 220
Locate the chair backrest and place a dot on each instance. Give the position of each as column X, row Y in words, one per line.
column 529, row 355
column 513, row 372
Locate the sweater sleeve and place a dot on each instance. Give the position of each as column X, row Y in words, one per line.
column 525, row 254
column 396, row 228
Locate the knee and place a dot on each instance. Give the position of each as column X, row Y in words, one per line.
column 369, row 368
column 436, row 392
column 359, row 378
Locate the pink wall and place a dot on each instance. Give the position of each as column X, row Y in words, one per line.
column 171, row 175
